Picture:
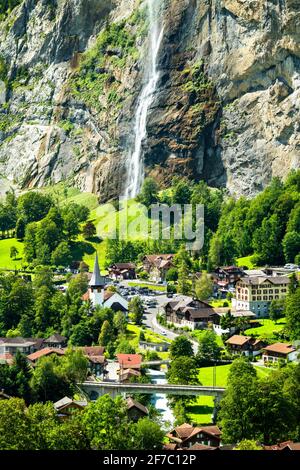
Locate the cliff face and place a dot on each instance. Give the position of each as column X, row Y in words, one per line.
column 226, row 108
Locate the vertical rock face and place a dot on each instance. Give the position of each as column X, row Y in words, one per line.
column 226, row 108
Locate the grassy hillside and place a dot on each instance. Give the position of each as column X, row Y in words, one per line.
column 5, row 260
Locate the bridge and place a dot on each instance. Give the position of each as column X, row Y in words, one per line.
column 97, row 389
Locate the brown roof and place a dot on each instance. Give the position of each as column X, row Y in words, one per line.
column 7, row 357
column 284, row 445
column 129, row 373
column 170, row 446
column 56, row 338
column 93, row 350
column 282, row 348
column 122, row 266
column 108, row 294
column 238, row 340
column 45, row 352
column 201, row 447
column 186, row 431
column 135, row 404
column 97, row 359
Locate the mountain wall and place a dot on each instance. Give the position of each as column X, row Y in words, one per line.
column 226, row 108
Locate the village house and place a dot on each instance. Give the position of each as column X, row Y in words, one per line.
column 255, row 293
column 66, row 407
column 10, row 346
column 244, row 345
column 98, row 296
column 187, row 436
column 275, row 352
column 55, row 341
column 287, row 445
column 157, row 266
column 227, row 276
column 97, row 361
column 129, row 366
column 121, row 271
column 34, row 357
column 136, row 410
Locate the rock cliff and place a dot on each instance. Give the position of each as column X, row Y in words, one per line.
column 226, row 108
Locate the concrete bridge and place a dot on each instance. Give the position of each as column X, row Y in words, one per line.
column 97, row 389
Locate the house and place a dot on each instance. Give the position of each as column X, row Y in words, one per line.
column 136, row 410
column 97, row 361
column 227, row 276
column 255, row 293
column 34, row 357
column 97, row 294
column 288, row 445
column 188, row 311
column 10, row 346
column 157, row 266
column 125, row 375
column 244, row 345
column 187, row 436
column 121, row 271
column 129, row 361
column 277, row 351
column 219, row 313
column 66, row 407
column 56, row 341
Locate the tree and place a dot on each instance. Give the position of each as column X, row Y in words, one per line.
column 247, row 444
column 149, row 192
column 183, row 371
column 14, row 426
column 20, row 228
column 172, row 275
column 33, row 206
column 148, row 435
column 204, row 287
column 49, row 382
column 124, row 347
column 106, row 334
column 62, row 255
column 181, row 346
column 13, row 252
column 107, row 425
column 276, row 310
column 239, row 402
column 120, row 322
column 291, row 246
column 89, row 230
column 227, row 321
column 136, row 309
column 208, row 348
column 292, row 312
column 183, row 263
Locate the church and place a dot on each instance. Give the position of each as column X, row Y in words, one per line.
column 99, row 296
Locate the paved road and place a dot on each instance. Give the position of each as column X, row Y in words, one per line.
column 151, row 322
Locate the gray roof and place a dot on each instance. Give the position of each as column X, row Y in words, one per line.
column 258, row 280
column 97, row 280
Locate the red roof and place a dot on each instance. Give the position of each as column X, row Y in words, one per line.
column 45, row 352
column 86, row 296
column 129, row 361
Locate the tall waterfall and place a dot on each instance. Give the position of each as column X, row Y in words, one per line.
column 135, row 163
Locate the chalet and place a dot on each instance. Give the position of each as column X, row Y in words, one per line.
column 34, row 357
column 277, row 351
column 287, row 445
column 126, row 375
column 157, row 266
column 10, row 346
column 56, row 341
column 97, row 361
column 98, row 296
column 136, row 410
column 227, row 276
column 129, row 361
column 187, row 436
column 244, row 345
column 255, row 293
column 121, row 271
column 66, row 407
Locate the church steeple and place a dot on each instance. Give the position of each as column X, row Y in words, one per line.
column 96, row 280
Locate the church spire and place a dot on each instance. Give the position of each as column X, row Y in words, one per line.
column 97, row 280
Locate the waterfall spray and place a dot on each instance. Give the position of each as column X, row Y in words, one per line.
column 135, row 163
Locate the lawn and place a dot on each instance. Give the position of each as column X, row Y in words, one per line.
column 267, row 328
column 220, row 303
column 150, row 286
column 201, row 409
column 246, row 261
column 133, row 333
column 5, row 260
column 197, row 334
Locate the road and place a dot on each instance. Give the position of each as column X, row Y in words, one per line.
column 151, row 322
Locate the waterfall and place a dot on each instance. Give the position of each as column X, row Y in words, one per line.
column 135, row 164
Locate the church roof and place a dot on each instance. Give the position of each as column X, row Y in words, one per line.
column 97, row 280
